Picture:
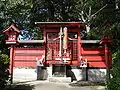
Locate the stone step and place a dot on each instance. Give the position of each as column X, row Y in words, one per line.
column 60, row 79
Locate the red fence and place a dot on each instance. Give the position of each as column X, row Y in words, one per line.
column 27, row 56
column 96, row 57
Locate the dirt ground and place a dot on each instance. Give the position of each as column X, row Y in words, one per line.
column 43, row 85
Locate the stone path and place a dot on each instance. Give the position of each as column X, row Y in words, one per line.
column 28, row 76
column 45, row 85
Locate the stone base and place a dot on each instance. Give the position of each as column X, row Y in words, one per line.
column 60, row 79
column 97, row 75
column 22, row 75
column 94, row 75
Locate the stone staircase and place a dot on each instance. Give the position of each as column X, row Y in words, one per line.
column 60, row 79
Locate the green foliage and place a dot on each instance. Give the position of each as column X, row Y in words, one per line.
column 114, row 82
column 4, row 73
column 4, row 58
column 25, row 12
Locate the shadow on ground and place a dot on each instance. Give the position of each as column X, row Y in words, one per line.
column 87, row 83
column 21, row 87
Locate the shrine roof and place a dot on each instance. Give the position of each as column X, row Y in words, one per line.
column 59, row 24
column 12, row 27
column 30, row 41
column 42, row 41
column 90, row 41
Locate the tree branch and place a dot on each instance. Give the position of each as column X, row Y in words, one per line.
column 90, row 11
column 98, row 11
column 116, row 4
column 81, row 14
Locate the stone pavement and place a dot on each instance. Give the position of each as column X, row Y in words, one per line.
column 25, row 79
column 46, row 85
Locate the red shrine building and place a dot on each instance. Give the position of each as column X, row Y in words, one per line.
column 61, row 51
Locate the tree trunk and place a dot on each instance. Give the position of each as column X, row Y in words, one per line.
column 87, row 28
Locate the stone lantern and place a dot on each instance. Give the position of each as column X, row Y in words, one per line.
column 12, row 32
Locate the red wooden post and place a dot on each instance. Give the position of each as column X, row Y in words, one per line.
column 107, row 62
column 79, row 48
column 11, row 61
column 105, row 42
column 106, row 56
column 45, row 45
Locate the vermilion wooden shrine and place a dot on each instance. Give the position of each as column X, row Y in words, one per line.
column 62, row 45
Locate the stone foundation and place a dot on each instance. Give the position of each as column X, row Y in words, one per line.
column 95, row 75
column 76, row 74
column 22, row 74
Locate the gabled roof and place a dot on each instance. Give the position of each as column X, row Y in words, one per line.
column 59, row 24
column 13, row 27
column 42, row 41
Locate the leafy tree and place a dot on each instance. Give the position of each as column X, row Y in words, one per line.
column 25, row 12
column 4, row 59
column 4, row 73
column 114, row 82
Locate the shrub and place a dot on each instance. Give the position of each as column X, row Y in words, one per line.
column 4, row 73
column 114, row 82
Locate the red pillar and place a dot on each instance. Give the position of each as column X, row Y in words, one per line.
column 105, row 42
column 45, row 45
column 79, row 48
column 11, row 61
column 107, row 61
column 106, row 56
